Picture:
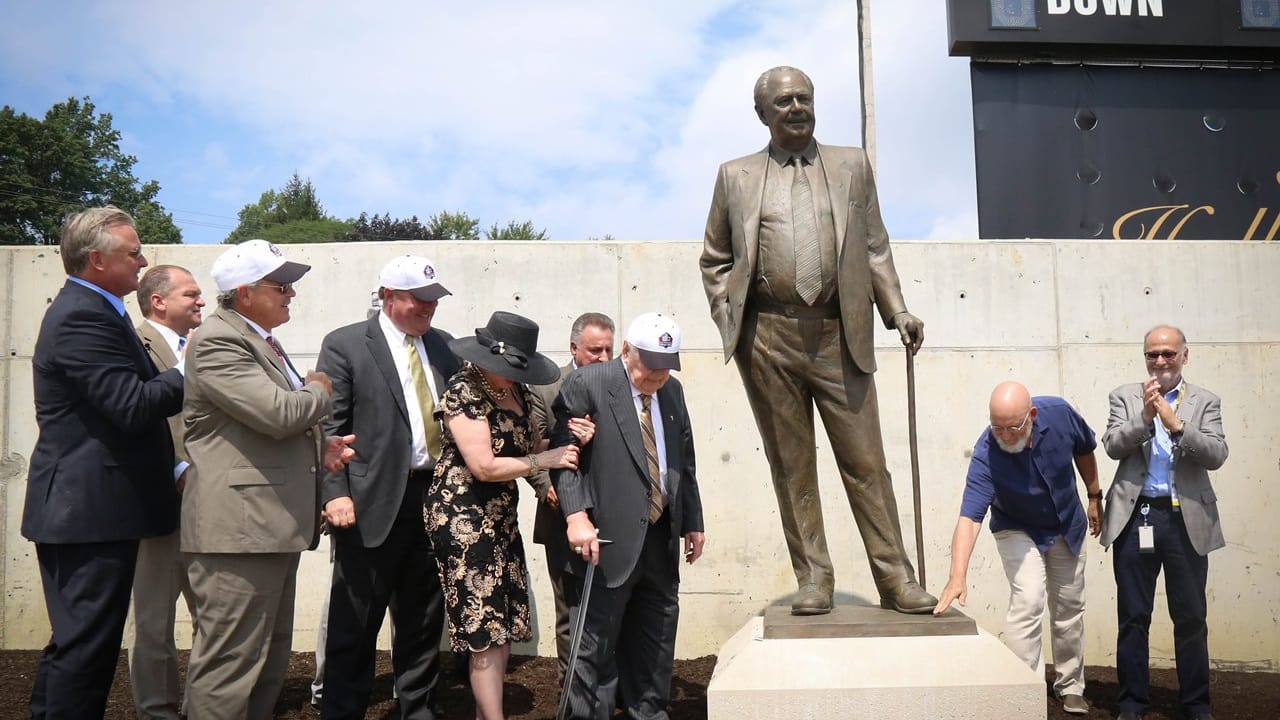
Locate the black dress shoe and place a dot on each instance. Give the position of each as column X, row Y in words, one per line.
column 910, row 598
column 1130, row 715
column 811, row 600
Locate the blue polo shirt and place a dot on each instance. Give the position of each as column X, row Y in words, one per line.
column 1034, row 490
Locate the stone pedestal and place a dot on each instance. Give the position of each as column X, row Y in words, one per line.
column 849, row 673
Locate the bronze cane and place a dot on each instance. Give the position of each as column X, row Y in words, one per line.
column 915, row 460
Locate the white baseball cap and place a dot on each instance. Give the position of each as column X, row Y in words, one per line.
column 251, row 261
column 415, row 274
column 657, row 338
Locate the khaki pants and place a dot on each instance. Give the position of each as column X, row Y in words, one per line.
column 1054, row 579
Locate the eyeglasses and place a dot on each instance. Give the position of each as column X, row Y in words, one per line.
column 999, row 428
column 284, row 288
column 1161, row 354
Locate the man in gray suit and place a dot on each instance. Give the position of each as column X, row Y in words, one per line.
column 387, row 372
column 636, row 484
column 252, row 500
column 794, row 255
column 590, row 342
column 1162, row 513
column 171, row 303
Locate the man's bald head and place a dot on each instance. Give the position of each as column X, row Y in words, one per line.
column 1012, row 416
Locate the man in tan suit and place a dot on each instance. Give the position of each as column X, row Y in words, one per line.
column 171, row 303
column 794, row 255
column 251, row 503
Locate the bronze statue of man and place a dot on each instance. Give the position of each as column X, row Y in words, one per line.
column 795, row 253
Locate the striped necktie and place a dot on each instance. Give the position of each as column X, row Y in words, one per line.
column 656, row 501
column 804, row 235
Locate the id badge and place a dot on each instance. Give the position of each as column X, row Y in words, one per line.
column 1146, row 538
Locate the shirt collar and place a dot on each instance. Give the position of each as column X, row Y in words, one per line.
column 116, row 302
column 782, row 157
column 257, row 328
column 167, row 333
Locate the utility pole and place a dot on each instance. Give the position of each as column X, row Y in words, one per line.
column 865, row 81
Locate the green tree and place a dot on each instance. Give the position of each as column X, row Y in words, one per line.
column 384, row 227
column 515, row 231
column 64, row 163
column 453, row 226
column 292, row 215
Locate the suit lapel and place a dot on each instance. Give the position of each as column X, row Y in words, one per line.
column 376, row 342
column 156, row 346
column 672, row 431
column 624, row 413
column 1187, row 406
column 839, row 179
column 751, row 177
column 259, row 344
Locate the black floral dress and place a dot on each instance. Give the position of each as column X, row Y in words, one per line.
column 473, row 528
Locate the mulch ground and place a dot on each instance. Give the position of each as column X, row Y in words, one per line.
column 532, row 691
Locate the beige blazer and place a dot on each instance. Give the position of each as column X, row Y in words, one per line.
column 866, row 273
column 255, row 446
column 1203, row 447
column 160, row 354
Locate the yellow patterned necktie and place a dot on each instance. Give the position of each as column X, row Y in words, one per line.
column 651, row 458
column 430, row 428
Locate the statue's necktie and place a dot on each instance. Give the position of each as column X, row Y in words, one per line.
column 418, row 374
column 651, row 459
column 804, row 232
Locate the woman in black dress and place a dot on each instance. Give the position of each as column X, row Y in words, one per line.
column 489, row 442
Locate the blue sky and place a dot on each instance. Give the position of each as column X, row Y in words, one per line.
column 586, row 118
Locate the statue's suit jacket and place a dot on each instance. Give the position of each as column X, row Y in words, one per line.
column 368, row 400
column 865, row 270
column 612, row 479
column 1203, row 447
column 255, row 445
column 158, row 350
column 102, row 467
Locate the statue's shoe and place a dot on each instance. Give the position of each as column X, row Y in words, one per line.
column 910, row 598
column 811, row 600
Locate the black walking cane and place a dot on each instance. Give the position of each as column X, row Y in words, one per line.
column 915, row 459
column 575, row 640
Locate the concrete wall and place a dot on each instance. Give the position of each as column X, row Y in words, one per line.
column 1066, row 318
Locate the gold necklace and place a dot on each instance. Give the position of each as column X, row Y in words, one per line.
column 498, row 395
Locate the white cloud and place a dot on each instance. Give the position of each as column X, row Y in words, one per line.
column 585, row 118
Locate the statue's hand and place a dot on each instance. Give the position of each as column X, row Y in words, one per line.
column 911, row 329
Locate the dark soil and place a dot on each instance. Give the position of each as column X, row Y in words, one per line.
column 532, row 691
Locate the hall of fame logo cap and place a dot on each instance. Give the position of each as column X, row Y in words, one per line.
column 414, row 274
column 251, row 261
column 657, row 338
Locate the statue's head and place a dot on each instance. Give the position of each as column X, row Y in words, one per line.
column 784, row 102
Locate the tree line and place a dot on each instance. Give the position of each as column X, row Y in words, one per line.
column 71, row 159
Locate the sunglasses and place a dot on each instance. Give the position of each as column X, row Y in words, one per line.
column 1161, row 354
column 284, row 288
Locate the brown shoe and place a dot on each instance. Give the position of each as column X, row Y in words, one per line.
column 811, row 600
column 910, row 598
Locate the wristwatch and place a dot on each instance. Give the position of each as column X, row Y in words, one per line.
column 533, row 463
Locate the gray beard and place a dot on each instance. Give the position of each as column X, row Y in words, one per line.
column 1016, row 446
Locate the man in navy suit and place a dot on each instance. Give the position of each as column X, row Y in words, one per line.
column 636, row 483
column 102, row 472
column 374, row 505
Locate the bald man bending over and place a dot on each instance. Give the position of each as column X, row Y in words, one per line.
column 1021, row 469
